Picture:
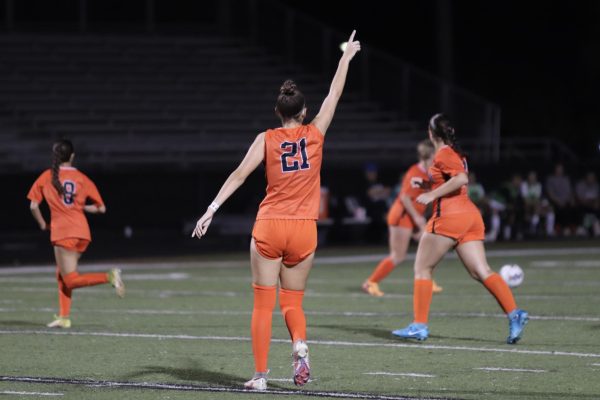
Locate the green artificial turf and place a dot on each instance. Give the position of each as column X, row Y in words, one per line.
column 203, row 315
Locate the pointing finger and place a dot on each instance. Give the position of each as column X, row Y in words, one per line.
column 352, row 36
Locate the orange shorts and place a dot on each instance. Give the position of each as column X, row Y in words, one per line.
column 292, row 240
column 72, row 244
column 462, row 227
column 397, row 216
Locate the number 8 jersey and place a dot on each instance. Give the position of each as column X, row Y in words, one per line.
column 293, row 170
column 67, row 219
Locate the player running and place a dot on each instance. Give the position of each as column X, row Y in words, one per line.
column 66, row 190
column 284, row 237
column 456, row 223
column 405, row 216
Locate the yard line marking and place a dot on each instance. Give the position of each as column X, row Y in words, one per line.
column 314, row 342
column 410, row 374
column 163, row 294
column 321, row 260
column 565, row 264
column 208, row 388
column 511, row 369
column 31, row 393
column 131, row 276
column 367, row 314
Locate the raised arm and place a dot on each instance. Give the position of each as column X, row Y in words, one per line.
column 254, row 156
column 325, row 115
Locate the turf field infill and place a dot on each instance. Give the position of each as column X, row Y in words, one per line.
column 203, row 388
column 397, row 344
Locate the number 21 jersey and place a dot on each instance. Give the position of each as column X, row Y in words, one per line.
column 293, row 170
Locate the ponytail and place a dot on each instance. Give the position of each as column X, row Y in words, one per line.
column 440, row 126
column 61, row 152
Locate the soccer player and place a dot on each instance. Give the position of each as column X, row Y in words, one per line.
column 456, row 223
column 404, row 217
column 284, row 237
column 66, row 190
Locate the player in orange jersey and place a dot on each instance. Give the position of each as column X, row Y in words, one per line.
column 66, row 191
column 404, row 217
column 284, row 237
column 456, row 223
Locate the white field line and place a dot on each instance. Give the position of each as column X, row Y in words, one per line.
column 511, row 369
column 410, row 374
column 173, row 276
column 352, row 314
column 565, row 264
column 205, row 388
column 324, row 260
column 163, row 294
column 31, row 393
column 182, row 276
column 313, row 342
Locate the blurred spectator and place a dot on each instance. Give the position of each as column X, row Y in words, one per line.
column 587, row 192
column 535, row 205
column 490, row 208
column 375, row 201
column 515, row 209
column 558, row 188
column 476, row 192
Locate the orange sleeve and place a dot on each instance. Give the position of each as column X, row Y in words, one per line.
column 92, row 192
column 450, row 163
column 406, row 185
column 35, row 193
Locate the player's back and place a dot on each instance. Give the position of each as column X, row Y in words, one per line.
column 293, row 164
column 66, row 210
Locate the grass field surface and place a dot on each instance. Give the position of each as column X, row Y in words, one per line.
column 182, row 332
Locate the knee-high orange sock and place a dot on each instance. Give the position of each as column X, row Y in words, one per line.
column 423, row 291
column 64, row 296
column 382, row 270
column 262, row 314
column 290, row 302
column 500, row 290
column 74, row 280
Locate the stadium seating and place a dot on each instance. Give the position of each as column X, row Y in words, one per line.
column 151, row 100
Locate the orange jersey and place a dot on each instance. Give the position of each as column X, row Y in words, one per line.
column 67, row 219
column 412, row 186
column 293, row 169
column 447, row 163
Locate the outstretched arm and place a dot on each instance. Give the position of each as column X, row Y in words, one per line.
column 454, row 183
column 94, row 209
column 254, row 156
column 325, row 115
column 34, row 206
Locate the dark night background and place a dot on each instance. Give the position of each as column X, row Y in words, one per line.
column 540, row 61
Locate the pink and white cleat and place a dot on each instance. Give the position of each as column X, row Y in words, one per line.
column 301, row 364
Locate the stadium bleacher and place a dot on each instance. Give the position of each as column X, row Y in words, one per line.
column 153, row 100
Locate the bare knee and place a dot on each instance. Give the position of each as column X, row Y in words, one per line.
column 481, row 273
column 423, row 271
column 397, row 257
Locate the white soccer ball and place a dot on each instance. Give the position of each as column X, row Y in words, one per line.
column 512, row 274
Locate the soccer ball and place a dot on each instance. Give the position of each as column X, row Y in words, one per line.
column 512, row 274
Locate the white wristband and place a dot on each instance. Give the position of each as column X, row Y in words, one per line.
column 214, row 206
